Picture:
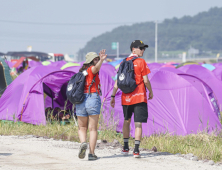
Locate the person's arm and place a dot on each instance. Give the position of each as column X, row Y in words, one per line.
column 102, row 55
column 115, row 88
column 148, row 86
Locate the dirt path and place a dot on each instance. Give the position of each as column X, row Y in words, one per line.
column 37, row 153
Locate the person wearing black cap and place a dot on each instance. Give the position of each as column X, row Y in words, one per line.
column 135, row 102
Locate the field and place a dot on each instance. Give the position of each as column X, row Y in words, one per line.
column 202, row 145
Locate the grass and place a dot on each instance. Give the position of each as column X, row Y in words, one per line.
column 202, row 145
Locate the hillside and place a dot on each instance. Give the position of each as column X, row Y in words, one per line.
column 202, row 31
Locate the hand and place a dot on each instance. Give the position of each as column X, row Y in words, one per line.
column 112, row 102
column 102, row 55
column 150, row 95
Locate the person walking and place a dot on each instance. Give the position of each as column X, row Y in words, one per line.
column 136, row 101
column 88, row 111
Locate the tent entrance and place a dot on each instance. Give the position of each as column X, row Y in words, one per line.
column 5, row 77
column 57, row 99
column 57, row 103
column 49, row 93
column 3, row 84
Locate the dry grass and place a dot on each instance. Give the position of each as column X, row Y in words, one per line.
column 203, row 145
column 51, row 130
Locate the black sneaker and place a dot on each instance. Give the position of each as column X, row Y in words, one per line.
column 82, row 150
column 92, row 157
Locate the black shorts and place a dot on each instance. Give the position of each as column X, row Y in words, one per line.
column 140, row 112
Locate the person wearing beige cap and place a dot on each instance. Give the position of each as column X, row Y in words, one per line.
column 88, row 111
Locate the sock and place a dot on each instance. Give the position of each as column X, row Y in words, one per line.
column 137, row 144
column 126, row 141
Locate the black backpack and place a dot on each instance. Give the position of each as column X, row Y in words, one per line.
column 125, row 76
column 75, row 88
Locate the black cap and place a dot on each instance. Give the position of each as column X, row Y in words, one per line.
column 137, row 44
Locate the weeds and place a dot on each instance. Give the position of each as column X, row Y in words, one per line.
column 203, row 145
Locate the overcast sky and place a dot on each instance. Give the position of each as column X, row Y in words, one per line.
column 64, row 26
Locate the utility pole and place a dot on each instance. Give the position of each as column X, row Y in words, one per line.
column 156, row 55
column 117, row 50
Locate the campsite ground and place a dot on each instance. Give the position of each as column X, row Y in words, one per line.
column 29, row 152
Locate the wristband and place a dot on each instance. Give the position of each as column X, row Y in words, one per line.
column 112, row 96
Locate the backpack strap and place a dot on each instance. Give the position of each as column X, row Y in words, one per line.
column 122, row 62
column 93, row 81
column 134, row 58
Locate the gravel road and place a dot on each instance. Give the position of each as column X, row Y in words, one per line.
column 29, row 152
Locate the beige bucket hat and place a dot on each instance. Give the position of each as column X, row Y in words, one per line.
column 90, row 56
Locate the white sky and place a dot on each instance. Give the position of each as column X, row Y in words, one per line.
column 69, row 38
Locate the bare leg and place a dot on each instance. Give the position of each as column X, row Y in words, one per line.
column 138, row 131
column 83, row 126
column 93, row 123
column 126, row 128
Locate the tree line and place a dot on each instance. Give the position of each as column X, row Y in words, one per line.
column 202, row 31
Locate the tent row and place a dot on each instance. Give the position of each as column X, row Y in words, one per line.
column 186, row 100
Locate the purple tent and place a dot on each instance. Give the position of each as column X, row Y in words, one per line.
column 180, row 106
column 217, row 65
column 169, row 65
column 106, row 82
column 53, row 104
column 208, row 77
column 9, row 63
column 24, row 97
column 81, row 63
column 218, row 72
column 171, row 69
column 58, row 63
column 153, row 66
column 74, row 68
column 59, row 101
column 201, row 86
column 108, row 69
column 33, row 63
